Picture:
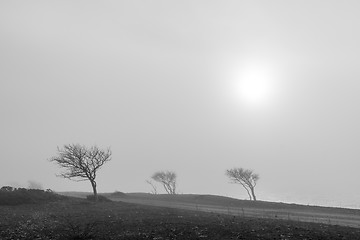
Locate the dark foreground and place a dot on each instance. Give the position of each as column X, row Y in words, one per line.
column 80, row 219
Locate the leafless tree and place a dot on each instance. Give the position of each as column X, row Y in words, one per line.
column 167, row 179
column 82, row 163
column 153, row 186
column 247, row 178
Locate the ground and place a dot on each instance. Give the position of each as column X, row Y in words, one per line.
column 81, row 219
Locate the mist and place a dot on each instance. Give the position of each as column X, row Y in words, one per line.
column 196, row 88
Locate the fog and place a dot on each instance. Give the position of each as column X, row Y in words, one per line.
column 194, row 87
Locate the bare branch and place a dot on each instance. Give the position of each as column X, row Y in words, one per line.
column 167, row 179
column 81, row 163
column 247, row 178
column 154, row 191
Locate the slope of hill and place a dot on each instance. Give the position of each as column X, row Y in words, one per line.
column 258, row 209
column 236, row 207
column 232, row 202
column 80, row 219
column 75, row 194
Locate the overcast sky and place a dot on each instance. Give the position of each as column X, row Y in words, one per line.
column 165, row 84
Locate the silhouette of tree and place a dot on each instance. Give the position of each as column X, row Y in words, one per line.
column 167, row 179
column 247, row 178
column 82, row 163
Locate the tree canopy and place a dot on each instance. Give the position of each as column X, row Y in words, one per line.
column 167, row 179
column 247, row 178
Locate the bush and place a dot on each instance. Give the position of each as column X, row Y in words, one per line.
column 24, row 196
column 100, row 198
column 7, row 189
column 118, row 194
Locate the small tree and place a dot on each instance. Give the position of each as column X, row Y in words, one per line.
column 247, row 178
column 167, row 179
column 82, row 163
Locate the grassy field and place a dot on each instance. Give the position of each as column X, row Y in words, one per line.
column 258, row 209
column 81, row 219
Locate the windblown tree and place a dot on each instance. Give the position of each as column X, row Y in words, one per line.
column 81, row 163
column 167, row 179
column 247, row 178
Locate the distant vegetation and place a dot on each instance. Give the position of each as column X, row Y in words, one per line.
column 17, row 196
column 118, row 194
column 167, row 179
column 81, row 163
column 247, row 178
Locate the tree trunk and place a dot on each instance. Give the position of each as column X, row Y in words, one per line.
column 166, row 188
column 93, row 184
column 247, row 190
column 253, row 194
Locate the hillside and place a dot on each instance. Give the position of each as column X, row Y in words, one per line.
column 236, row 207
column 216, row 200
column 232, row 202
column 258, row 209
column 81, row 219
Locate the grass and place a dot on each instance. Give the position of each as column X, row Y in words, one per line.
column 81, row 219
column 227, row 201
column 262, row 209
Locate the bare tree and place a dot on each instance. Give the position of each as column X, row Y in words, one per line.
column 247, row 178
column 167, row 179
column 81, row 163
column 153, row 186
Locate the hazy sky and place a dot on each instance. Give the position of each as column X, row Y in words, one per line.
column 196, row 87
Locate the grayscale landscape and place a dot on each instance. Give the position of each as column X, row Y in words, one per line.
column 163, row 120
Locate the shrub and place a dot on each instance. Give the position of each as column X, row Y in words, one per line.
column 118, row 194
column 24, row 196
column 7, row 189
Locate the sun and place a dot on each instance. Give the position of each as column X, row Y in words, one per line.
column 254, row 85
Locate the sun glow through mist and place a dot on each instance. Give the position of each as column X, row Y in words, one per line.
column 254, row 85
